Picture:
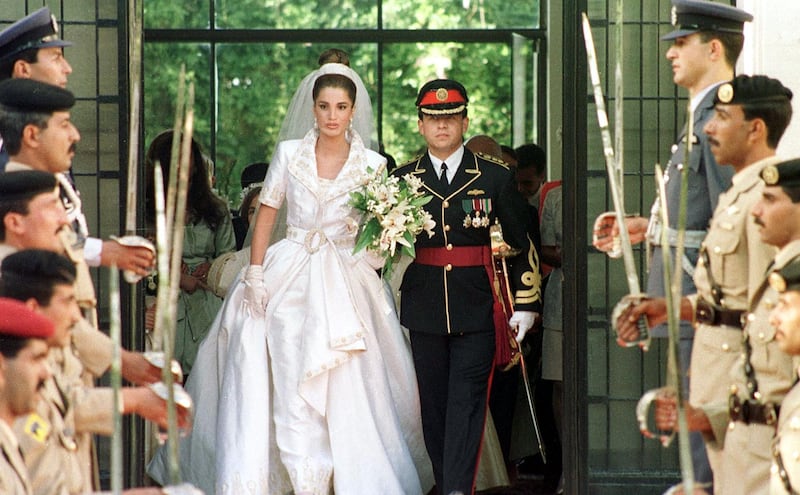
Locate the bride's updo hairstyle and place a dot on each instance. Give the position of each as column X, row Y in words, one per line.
column 338, row 81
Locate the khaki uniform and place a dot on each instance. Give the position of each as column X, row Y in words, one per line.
column 738, row 262
column 787, row 443
column 13, row 474
column 747, row 452
column 93, row 347
column 56, row 440
column 71, row 410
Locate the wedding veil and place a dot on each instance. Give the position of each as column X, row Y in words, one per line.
column 300, row 117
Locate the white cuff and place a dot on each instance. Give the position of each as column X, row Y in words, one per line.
column 92, row 250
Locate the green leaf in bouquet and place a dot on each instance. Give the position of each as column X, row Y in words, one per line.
column 370, row 231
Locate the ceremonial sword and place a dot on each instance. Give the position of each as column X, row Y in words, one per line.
column 500, row 251
column 614, row 183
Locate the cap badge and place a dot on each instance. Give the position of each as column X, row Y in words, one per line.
column 674, row 16
column 54, row 23
column 725, row 93
column 441, row 94
column 770, row 175
column 777, row 282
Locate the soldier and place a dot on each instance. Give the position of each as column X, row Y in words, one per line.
column 706, row 43
column 50, row 438
column 30, row 48
column 447, row 297
column 751, row 114
column 31, row 214
column 785, row 318
column 34, row 118
column 23, row 371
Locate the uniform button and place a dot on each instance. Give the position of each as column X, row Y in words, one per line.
column 717, row 249
column 794, row 423
column 725, row 347
column 751, row 317
column 761, row 335
column 674, row 148
column 447, row 228
column 448, row 267
column 449, row 247
column 445, row 204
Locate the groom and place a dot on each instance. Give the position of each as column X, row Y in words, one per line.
column 448, row 301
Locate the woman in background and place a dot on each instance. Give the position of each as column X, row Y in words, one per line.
column 208, row 233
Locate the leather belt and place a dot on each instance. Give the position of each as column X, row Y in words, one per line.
column 751, row 411
column 711, row 314
column 455, row 256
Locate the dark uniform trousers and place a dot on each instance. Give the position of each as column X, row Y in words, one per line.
column 447, row 305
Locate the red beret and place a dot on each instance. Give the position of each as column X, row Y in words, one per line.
column 18, row 320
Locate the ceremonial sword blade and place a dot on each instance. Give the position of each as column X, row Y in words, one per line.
column 631, row 273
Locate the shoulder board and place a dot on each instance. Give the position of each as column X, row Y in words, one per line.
column 490, row 158
column 413, row 161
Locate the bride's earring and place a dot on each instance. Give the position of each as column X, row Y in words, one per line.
column 348, row 133
column 316, row 126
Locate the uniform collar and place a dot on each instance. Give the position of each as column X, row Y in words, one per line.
column 453, row 162
column 698, row 98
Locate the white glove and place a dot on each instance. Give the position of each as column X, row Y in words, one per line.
column 255, row 294
column 522, row 321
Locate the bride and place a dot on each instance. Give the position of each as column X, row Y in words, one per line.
column 305, row 383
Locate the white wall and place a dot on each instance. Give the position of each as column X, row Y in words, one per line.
column 772, row 47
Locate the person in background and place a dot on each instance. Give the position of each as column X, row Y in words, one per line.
column 531, row 172
column 252, row 176
column 207, row 234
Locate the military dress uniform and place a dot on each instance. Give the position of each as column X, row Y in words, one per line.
column 56, row 439
column 448, row 301
column 13, row 473
column 785, row 469
column 732, row 263
column 761, row 380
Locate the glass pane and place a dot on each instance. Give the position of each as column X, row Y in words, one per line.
column 162, row 65
column 176, row 14
column 618, row 377
column 255, row 85
column 297, row 14
column 483, row 68
column 465, row 14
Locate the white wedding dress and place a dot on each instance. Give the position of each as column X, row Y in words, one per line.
column 330, row 343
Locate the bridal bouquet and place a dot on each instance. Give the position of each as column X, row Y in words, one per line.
column 393, row 216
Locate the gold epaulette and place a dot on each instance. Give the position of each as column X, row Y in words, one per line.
column 490, row 158
column 413, row 161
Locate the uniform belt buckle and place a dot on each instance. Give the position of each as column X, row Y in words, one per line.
column 705, row 313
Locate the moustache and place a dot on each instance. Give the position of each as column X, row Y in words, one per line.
column 713, row 142
column 758, row 222
column 73, row 148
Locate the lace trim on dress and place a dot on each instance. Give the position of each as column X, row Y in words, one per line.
column 303, row 166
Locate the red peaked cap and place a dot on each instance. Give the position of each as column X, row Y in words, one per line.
column 18, row 320
column 442, row 97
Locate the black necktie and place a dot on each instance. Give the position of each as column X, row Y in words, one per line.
column 443, row 175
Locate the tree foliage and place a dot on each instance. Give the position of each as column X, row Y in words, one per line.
column 243, row 89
